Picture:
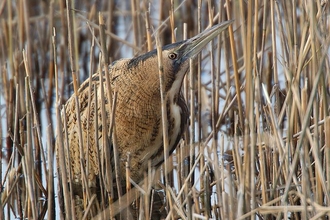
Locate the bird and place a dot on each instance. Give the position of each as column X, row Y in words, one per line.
column 137, row 115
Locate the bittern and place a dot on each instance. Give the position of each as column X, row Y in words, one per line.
column 138, row 115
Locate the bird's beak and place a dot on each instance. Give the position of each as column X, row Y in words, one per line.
column 194, row 45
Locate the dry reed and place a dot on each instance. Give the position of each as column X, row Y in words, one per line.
column 258, row 141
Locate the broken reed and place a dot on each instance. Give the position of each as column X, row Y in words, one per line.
column 259, row 132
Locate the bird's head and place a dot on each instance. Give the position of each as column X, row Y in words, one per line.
column 176, row 57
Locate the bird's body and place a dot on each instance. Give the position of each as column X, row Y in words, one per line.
column 137, row 119
column 138, row 115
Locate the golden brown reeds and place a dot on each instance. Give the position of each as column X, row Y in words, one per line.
column 258, row 141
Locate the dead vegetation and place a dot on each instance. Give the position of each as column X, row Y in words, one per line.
column 259, row 131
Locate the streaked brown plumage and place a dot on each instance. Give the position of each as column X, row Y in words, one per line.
column 138, row 109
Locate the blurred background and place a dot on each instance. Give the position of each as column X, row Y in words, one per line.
column 259, row 131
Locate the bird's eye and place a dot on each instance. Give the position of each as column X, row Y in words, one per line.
column 172, row 56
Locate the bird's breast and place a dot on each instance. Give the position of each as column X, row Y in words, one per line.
column 174, row 119
column 138, row 122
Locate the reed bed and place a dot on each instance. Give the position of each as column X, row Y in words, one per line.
column 258, row 141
